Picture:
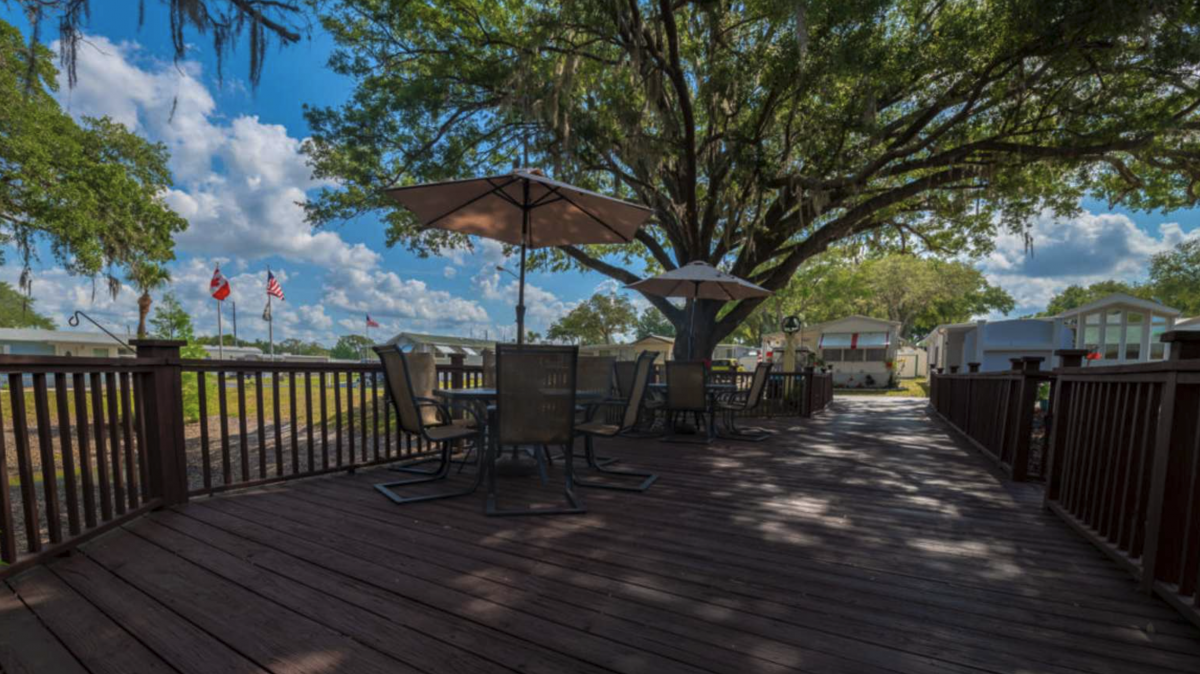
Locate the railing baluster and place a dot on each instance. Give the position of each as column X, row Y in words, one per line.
column 68, row 453
column 29, row 506
column 308, row 427
column 350, row 417
column 294, row 426
column 205, row 458
column 324, row 426
column 114, row 441
column 139, row 430
column 243, row 433
column 262, row 427
column 131, row 469
column 278, row 424
column 85, row 462
column 102, row 476
column 375, row 412
column 362, row 413
column 337, row 414
column 41, row 406
column 8, row 536
column 222, row 408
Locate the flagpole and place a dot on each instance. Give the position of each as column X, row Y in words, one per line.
column 220, row 333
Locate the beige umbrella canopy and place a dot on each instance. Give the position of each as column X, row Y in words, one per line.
column 699, row 280
column 523, row 208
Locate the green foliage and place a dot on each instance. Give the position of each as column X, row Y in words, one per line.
column 763, row 132
column 595, row 321
column 1076, row 296
column 290, row 345
column 1175, row 277
column 16, row 310
column 652, row 322
column 191, row 388
column 352, row 347
column 92, row 191
column 171, row 321
column 918, row 292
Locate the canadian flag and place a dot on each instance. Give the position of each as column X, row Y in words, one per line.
column 219, row 286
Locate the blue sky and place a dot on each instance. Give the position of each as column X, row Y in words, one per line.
column 239, row 173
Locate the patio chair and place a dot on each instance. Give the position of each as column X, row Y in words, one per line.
column 489, row 368
column 740, row 402
column 535, row 406
column 629, row 418
column 623, row 372
column 414, row 414
column 687, row 393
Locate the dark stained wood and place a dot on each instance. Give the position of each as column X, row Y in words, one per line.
column 308, row 419
column 26, row 645
column 294, row 427
column 375, row 413
column 41, row 406
column 337, row 415
column 243, row 434
column 262, row 427
column 70, row 481
column 8, row 537
column 205, row 454
column 102, row 476
column 131, row 470
column 101, row 645
column 324, row 425
column 114, row 440
column 350, row 417
column 830, row 548
column 278, row 424
column 222, row 405
column 362, row 411
column 29, row 504
column 85, row 450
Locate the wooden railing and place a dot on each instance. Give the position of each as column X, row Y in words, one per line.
column 77, row 430
column 1124, row 466
column 89, row 443
column 996, row 412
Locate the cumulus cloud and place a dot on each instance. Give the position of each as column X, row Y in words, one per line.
column 250, row 209
column 1088, row 248
column 387, row 296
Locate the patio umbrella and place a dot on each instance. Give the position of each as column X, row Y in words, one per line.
column 523, row 208
column 698, row 280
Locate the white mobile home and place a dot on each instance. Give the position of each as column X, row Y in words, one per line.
column 37, row 342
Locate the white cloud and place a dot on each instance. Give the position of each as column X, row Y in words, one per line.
column 385, row 295
column 1081, row 250
column 449, row 272
column 252, row 208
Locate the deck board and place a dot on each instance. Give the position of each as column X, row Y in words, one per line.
column 866, row 540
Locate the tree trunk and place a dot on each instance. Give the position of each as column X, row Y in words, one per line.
column 703, row 331
column 143, row 310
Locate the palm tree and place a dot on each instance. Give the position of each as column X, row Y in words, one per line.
column 147, row 276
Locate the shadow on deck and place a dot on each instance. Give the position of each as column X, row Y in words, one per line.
column 865, row 540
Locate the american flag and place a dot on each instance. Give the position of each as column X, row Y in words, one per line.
column 371, row 323
column 273, row 287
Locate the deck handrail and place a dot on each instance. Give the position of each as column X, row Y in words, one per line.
column 101, row 440
column 1124, row 466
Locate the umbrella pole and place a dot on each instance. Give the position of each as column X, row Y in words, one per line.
column 521, row 289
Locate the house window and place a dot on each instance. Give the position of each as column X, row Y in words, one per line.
column 100, row 353
column 1158, row 325
column 1112, row 335
column 1133, row 335
column 832, row 355
column 876, row 355
column 1091, row 332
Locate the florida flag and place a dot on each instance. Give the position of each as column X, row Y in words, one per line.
column 219, row 287
column 371, row 323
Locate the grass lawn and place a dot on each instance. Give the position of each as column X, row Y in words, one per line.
column 908, row 388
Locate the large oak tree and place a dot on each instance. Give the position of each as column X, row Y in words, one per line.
column 763, row 132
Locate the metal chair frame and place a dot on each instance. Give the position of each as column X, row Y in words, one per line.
column 574, row 503
column 444, row 459
column 730, row 404
column 700, row 414
column 629, row 418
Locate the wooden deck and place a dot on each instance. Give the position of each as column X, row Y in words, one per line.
column 865, row 540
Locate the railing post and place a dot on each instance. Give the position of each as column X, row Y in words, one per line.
column 1185, row 344
column 1026, row 399
column 973, row 367
column 162, row 397
column 1071, row 357
column 456, row 372
column 809, row 383
column 1064, row 390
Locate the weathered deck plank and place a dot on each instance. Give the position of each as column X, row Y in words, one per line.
column 866, row 540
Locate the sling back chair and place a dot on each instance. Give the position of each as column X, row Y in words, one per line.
column 687, row 393
column 412, row 414
column 623, row 372
column 629, row 418
column 731, row 404
column 535, row 407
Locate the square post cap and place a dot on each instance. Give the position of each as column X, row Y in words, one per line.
column 1185, row 344
column 1072, row 357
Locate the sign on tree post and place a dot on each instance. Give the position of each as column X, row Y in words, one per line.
column 791, row 325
